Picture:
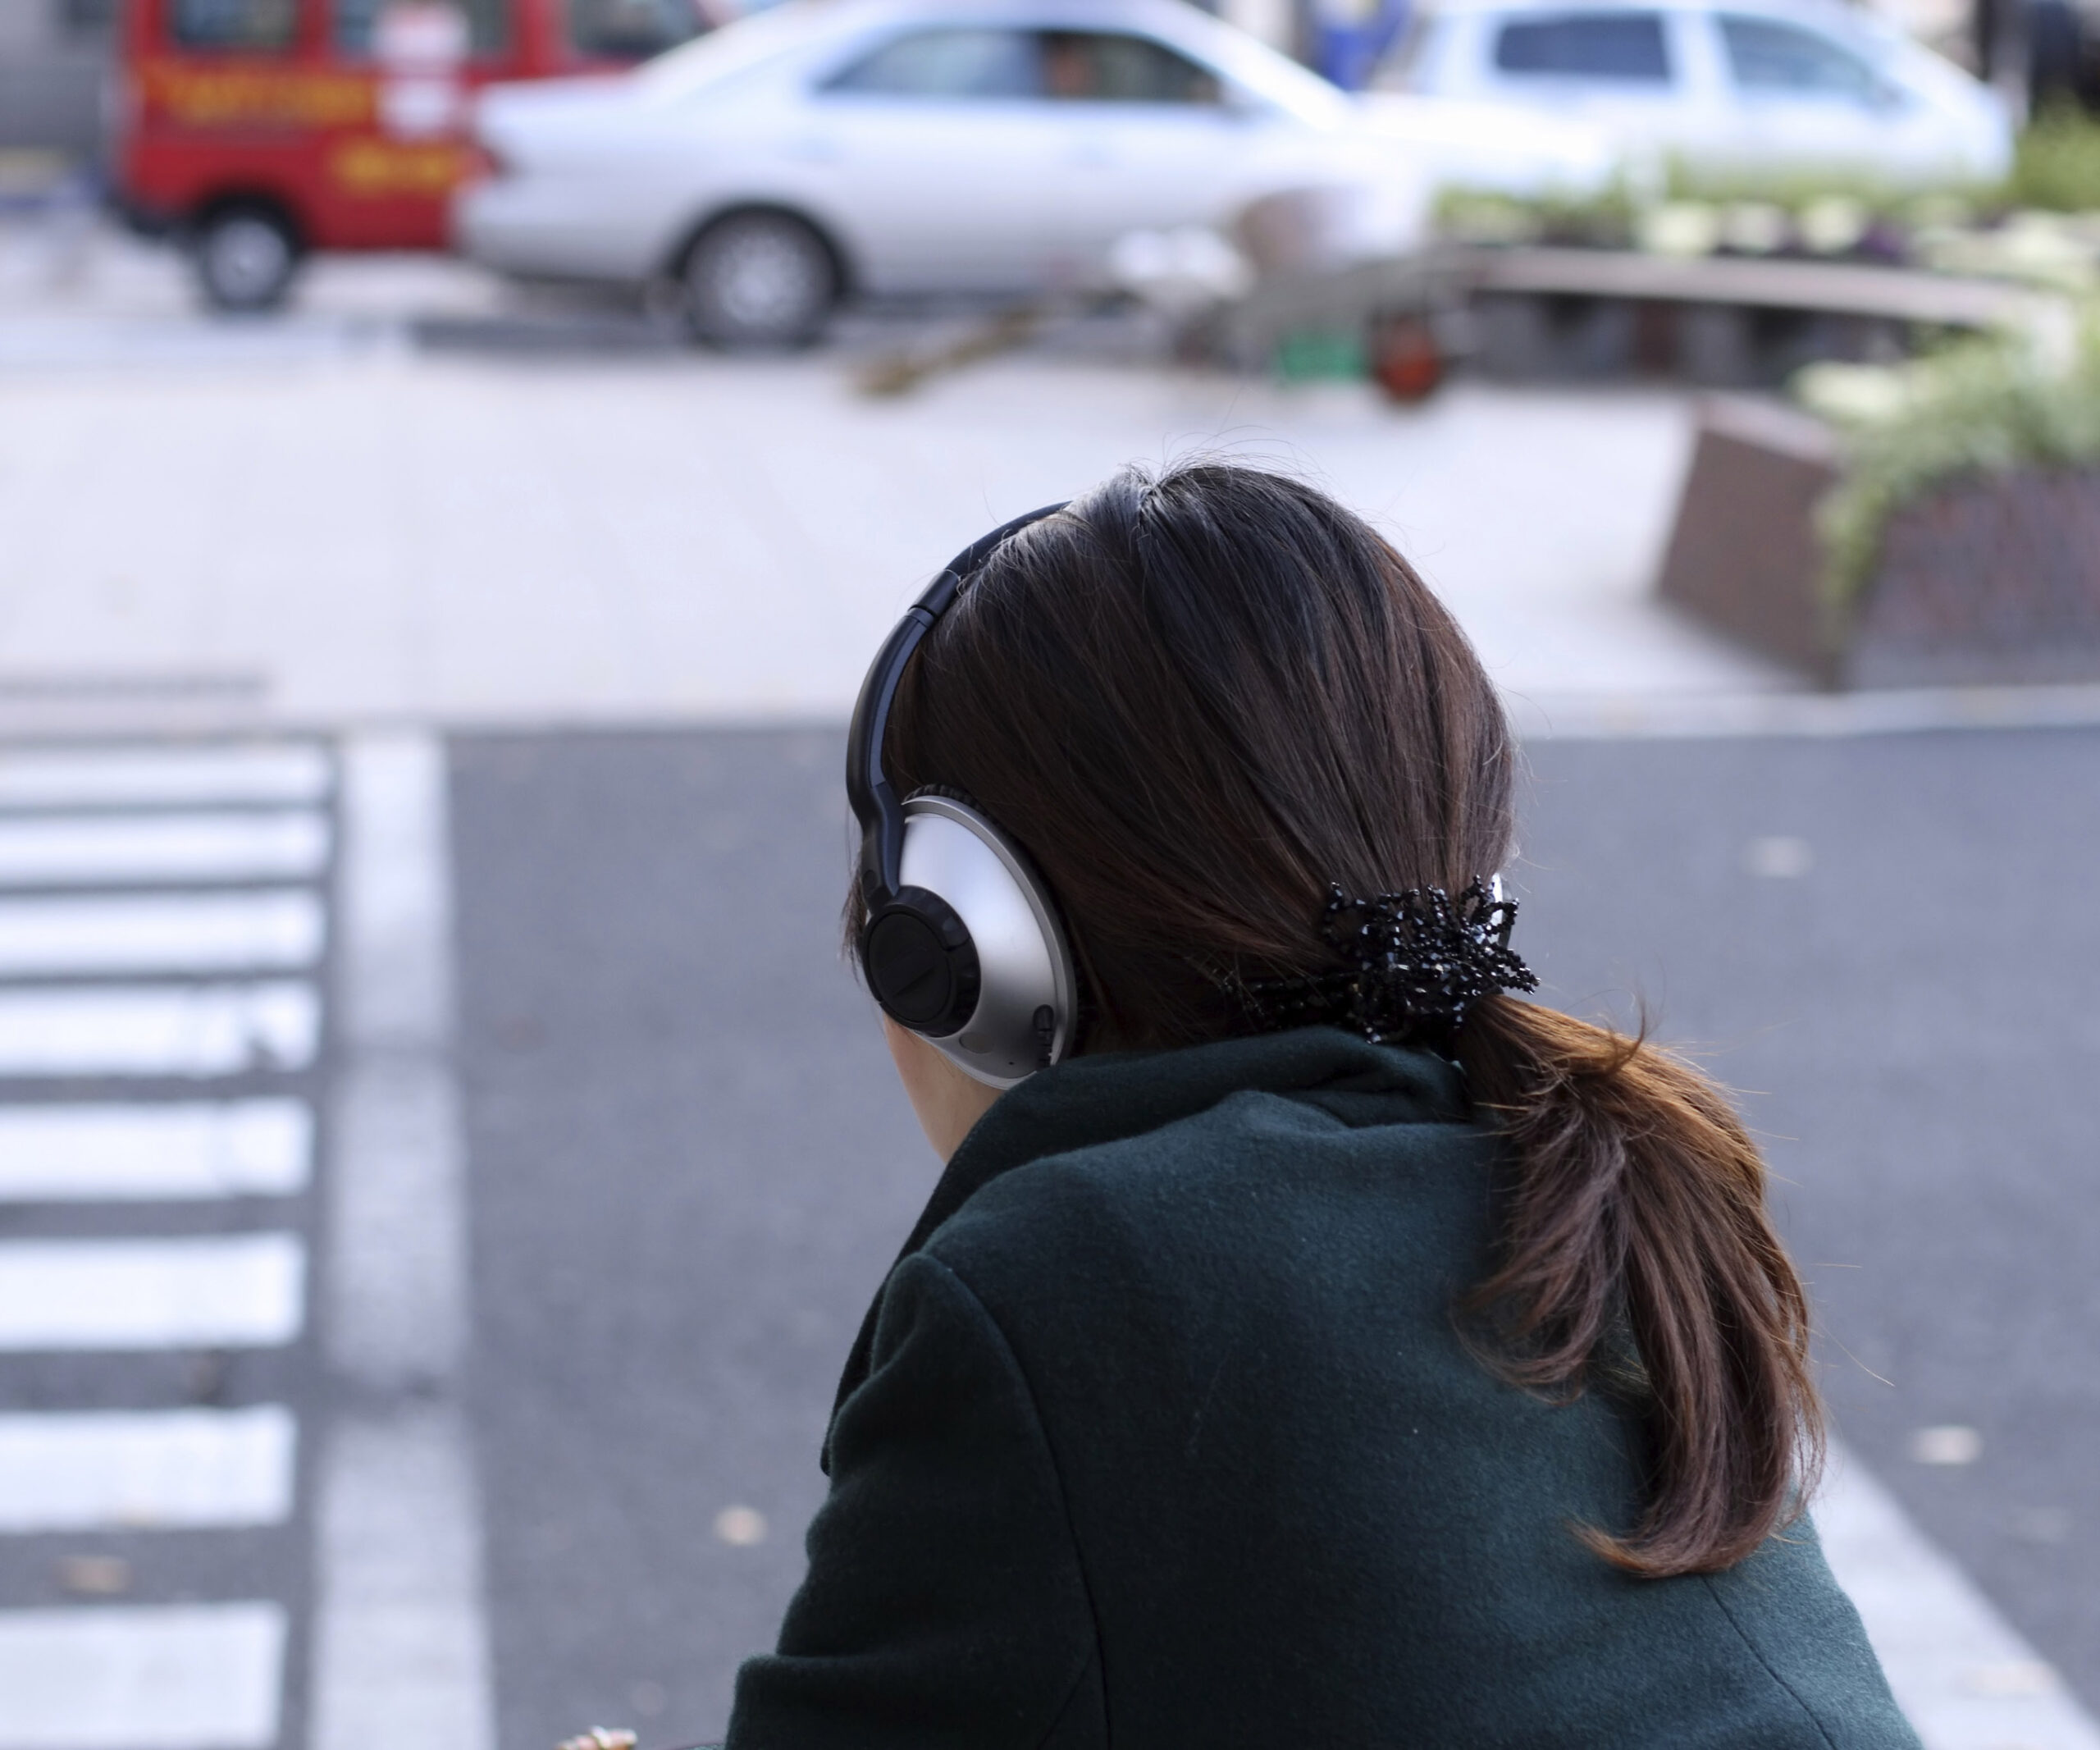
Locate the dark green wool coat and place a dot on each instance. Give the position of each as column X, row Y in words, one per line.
column 1159, row 1435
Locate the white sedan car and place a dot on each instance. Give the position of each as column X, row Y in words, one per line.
column 1739, row 91
column 942, row 146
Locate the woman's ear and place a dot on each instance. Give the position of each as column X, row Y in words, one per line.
column 949, row 1102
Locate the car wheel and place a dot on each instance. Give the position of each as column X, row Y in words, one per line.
column 758, row 279
column 245, row 257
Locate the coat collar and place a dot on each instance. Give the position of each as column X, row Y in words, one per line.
column 1108, row 1097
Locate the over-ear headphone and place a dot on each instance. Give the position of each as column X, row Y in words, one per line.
column 962, row 944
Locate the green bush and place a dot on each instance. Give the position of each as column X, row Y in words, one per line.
column 2057, row 164
column 1988, row 403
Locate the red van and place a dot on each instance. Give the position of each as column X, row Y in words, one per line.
column 261, row 130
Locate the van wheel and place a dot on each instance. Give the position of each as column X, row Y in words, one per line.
column 760, row 280
column 245, row 258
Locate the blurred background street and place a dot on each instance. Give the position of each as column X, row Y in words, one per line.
column 450, row 487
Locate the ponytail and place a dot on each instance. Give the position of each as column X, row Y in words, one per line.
column 1636, row 1210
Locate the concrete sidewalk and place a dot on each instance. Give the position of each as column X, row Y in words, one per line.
column 306, row 529
column 307, row 519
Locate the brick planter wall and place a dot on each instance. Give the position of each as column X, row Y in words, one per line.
column 1993, row 578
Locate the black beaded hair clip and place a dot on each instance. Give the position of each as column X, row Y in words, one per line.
column 1415, row 962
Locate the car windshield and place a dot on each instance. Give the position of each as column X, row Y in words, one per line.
column 1257, row 70
column 736, row 49
column 1770, row 57
column 1408, row 57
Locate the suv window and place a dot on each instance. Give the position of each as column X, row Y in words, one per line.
column 357, row 22
column 1766, row 55
column 630, row 29
column 1586, row 45
column 255, row 26
column 1102, row 66
column 949, row 64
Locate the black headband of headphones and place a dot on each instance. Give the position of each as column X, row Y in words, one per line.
column 874, row 801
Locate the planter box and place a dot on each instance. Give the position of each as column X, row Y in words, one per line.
column 1991, row 579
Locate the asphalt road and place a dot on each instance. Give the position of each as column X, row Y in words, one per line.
column 691, row 1164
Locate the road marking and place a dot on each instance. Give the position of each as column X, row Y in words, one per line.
column 176, row 1677
column 260, row 1148
column 274, row 930
column 1963, row 1674
column 400, row 1646
column 111, row 777
column 116, row 1469
column 400, row 1649
column 86, row 850
column 204, row 1030
column 243, row 1289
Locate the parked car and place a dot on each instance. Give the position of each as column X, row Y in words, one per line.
column 1734, row 90
column 892, row 147
column 259, row 129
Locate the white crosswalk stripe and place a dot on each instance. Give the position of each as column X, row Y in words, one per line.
column 146, row 777
column 114, row 1153
column 159, row 933
column 98, row 850
column 159, row 1030
column 220, row 852
column 133, row 1469
column 170, row 1677
column 243, row 1290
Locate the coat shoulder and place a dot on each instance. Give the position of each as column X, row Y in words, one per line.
column 1206, row 1198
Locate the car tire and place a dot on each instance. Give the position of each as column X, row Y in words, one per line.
column 760, row 280
column 245, row 258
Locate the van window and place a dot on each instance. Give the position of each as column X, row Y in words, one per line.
column 247, row 26
column 1586, row 45
column 949, row 64
column 1767, row 56
column 1102, row 66
column 356, row 23
column 630, row 29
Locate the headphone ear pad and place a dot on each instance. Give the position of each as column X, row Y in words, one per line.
column 920, row 962
column 969, row 953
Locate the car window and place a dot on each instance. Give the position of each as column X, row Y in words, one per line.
column 958, row 63
column 630, row 29
column 357, row 22
column 1410, row 57
column 254, row 26
column 1103, row 67
column 1766, row 55
column 1628, row 46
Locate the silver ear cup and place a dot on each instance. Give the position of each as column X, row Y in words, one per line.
column 1028, row 992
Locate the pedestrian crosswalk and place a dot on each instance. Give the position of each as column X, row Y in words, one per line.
column 164, row 926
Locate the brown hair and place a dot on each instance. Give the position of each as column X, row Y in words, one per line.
column 1197, row 700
